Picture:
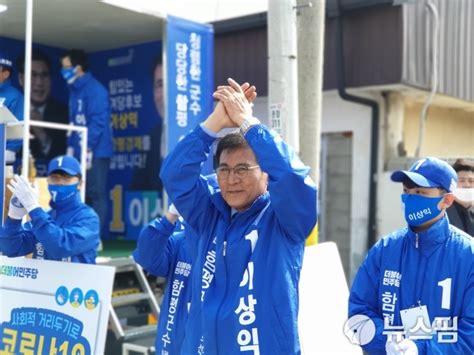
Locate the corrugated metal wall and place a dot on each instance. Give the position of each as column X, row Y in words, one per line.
column 242, row 55
column 456, row 46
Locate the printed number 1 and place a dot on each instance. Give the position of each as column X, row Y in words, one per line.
column 60, row 161
column 117, row 224
column 446, row 296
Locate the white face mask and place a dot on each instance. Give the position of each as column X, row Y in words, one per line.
column 464, row 194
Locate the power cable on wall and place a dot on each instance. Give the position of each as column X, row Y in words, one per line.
column 434, row 75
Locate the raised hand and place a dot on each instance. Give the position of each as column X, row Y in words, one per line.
column 26, row 194
column 219, row 118
column 235, row 102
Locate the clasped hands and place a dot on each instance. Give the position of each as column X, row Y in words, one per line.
column 233, row 107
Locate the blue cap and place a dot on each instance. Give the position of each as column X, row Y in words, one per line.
column 429, row 172
column 65, row 163
column 5, row 60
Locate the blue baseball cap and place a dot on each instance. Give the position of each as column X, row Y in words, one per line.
column 5, row 60
column 65, row 163
column 429, row 172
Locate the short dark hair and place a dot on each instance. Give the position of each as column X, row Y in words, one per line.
column 77, row 57
column 230, row 142
column 36, row 55
column 463, row 165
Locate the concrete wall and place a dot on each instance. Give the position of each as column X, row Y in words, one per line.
column 449, row 132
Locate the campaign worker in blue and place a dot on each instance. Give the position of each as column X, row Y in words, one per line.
column 69, row 231
column 164, row 251
column 11, row 98
column 251, row 232
column 419, row 279
column 89, row 106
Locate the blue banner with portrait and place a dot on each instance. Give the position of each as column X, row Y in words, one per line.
column 134, row 78
column 190, row 76
column 49, row 97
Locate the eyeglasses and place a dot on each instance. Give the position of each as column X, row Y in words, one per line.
column 241, row 171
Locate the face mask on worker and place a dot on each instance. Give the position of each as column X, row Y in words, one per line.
column 464, row 194
column 420, row 209
column 62, row 192
column 69, row 74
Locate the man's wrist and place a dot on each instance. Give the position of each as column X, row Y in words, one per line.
column 212, row 124
column 247, row 124
column 32, row 207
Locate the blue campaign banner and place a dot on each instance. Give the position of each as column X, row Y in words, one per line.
column 56, row 87
column 190, row 76
column 134, row 78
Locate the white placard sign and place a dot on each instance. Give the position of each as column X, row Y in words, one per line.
column 323, row 303
column 51, row 307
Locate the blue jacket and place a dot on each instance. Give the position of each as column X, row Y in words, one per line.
column 397, row 273
column 67, row 232
column 89, row 105
column 246, row 273
column 162, row 253
column 12, row 99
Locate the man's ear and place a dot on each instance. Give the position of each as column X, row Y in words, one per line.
column 447, row 201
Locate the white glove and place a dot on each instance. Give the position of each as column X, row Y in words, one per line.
column 172, row 209
column 10, row 156
column 408, row 347
column 393, row 348
column 25, row 193
column 16, row 209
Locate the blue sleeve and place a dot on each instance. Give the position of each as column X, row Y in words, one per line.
column 16, row 240
column 17, row 108
column 80, row 235
column 14, row 145
column 363, row 298
column 158, row 247
column 180, row 174
column 465, row 327
column 97, row 116
column 292, row 192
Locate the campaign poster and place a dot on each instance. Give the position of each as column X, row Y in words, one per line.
column 52, row 307
column 133, row 76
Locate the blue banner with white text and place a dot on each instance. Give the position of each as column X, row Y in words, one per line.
column 190, row 66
